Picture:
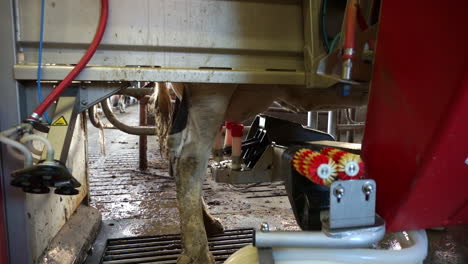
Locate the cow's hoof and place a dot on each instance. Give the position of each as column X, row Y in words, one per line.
column 202, row 259
column 213, row 227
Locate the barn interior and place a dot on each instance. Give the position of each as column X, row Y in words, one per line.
column 86, row 176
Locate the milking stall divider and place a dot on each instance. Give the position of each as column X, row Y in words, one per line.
column 415, row 145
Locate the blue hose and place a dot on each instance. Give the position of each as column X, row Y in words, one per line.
column 39, row 59
column 323, row 23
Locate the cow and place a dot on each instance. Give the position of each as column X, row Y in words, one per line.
column 200, row 110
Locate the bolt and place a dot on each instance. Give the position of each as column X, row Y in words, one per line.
column 264, row 227
column 466, row 161
column 367, row 188
column 84, row 102
column 339, row 191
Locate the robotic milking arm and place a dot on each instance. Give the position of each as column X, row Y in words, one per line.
column 50, row 170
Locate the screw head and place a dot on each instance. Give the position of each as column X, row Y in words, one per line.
column 339, row 191
column 84, row 102
column 367, row 188
column 466, row 161
column 264, row 227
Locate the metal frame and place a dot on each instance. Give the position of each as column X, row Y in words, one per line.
column 25, row 239
column 352, row 203
column 133, row 73
column 60, row 135
column 263, row 171
column 357, row 238
column 197, row 41
column 15, row 207
column 415, row 253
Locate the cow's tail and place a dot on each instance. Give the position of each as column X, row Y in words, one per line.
column 160, row 107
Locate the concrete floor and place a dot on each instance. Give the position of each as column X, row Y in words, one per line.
column 141, row 203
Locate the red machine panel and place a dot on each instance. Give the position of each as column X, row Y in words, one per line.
column 416, row 137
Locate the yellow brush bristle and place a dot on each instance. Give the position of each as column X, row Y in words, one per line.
column 334, row 174
column 348, row 157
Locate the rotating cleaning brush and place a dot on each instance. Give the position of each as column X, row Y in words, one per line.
column 315, row 166
column 350, row 166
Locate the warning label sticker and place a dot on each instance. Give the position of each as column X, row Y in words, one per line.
column 60, row 122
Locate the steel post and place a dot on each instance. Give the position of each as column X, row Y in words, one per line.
column 143, row 144
column 312, row 119
column 331, row 125
column 14, row 240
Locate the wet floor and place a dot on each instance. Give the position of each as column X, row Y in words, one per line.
column 122, row 192
column 140, row 203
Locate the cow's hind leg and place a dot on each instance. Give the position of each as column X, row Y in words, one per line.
column 194, row 128
column 212, row 226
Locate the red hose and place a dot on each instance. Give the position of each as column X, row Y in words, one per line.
column 79, row 67
column 350, row 27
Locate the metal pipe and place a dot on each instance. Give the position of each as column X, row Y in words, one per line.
column 136, row 92
column 92, row 117
column 133, row 130
column 331, row 125
column 318, row 239
column 312, row 120
column 96, row 124
column 280, row 110
column 33, row 150
column 28, row 158
column 143, row 144
column 349, row 126
column 10, row 132
column 17, row 154
column 414, row 254
column 349, row 119
column 19, row 129
column 349, row 38
column 47, row 144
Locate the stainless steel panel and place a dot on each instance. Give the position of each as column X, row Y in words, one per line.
column 101, row 73
column 9, row 116
column 354, row 206
column 169, row 33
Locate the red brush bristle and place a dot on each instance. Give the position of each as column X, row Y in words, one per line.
column 333, row 153
column 338, row 155
column 323, row 170
column 316, row 167
column 302, row 161
column 326, row 151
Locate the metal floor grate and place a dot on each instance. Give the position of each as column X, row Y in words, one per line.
column 165, row 249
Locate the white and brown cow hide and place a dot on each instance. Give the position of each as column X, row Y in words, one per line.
column 198, row 116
